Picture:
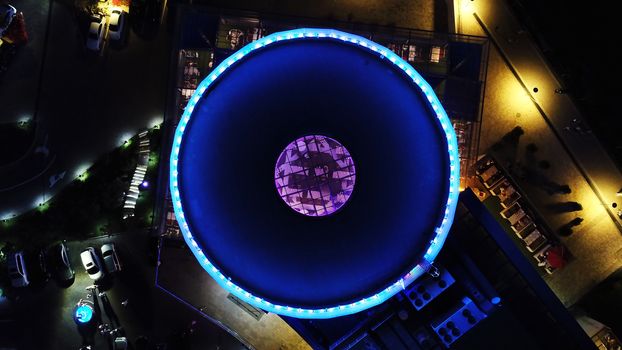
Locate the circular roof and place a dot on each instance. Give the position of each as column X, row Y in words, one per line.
column 314, row 82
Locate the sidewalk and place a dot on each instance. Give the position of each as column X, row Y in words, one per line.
column 576, row 160
column 532, row 71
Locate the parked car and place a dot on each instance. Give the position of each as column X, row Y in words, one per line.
column 116, row 24
column 7, row 13
column 91, row 263
column 97, row 29
column 17, row 33
column 38, row 268
column 145, row 17
column 111, row 259
column 60, row 264
column 120, row 343
column 17, row 270
column 7, row 52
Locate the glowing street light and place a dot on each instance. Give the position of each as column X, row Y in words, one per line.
column 83, row 312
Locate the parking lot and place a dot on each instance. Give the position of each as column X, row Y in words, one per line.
column 44, row 312
column 42, row 318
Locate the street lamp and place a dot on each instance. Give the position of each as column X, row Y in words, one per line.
column 83, row 313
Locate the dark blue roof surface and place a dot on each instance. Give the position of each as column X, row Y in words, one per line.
column 245, row 120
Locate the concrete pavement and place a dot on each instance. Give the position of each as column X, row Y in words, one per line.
column 509, row 102
column 534, row 74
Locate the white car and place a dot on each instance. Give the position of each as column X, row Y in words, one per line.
column 116, row 24
column 120, row 343
column 111, row 259
column 91, row 263
column 7, row 13
column 97, row 29
column 17, row 270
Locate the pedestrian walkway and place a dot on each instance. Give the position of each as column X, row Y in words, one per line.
column 532, row 71
column 515, row 68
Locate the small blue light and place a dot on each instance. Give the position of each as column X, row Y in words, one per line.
column 495, row 300
column 84, row 313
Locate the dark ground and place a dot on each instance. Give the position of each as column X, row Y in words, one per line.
column 604, row 302
column 14, row 142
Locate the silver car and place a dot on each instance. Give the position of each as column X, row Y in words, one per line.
column 17, row 270
column 95, row 37
column 111, row 259
column 120, row 343
column 117, row 23
column 91, row 263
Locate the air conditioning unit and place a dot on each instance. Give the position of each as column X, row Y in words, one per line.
column 423, row 291
column 459, row 321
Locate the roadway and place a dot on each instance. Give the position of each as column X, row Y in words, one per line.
column 83, row 104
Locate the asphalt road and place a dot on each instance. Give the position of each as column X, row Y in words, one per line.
column 85, row 104
column 43, row 316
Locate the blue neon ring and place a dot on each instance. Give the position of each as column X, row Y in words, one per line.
column 441, row 231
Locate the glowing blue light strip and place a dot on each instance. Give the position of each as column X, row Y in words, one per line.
column 441, row 231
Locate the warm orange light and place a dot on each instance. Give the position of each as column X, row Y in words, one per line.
column 466, row 7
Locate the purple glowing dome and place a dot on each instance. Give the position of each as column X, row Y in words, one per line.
column 315, row 175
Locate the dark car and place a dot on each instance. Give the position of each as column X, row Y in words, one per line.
column 39, row 269
column 17, row 270
column 60, row 264
column 145, row 17
column 111, row 259
column 7, row 13
column 7, row 52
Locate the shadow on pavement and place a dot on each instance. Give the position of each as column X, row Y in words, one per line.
column 542, row 181
column 604, row 302
column 509, row 143
column 112, row 316
column 507, row 150
column 87, row 332
column 564, row 207
column 567, row 229
column 134, row 289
